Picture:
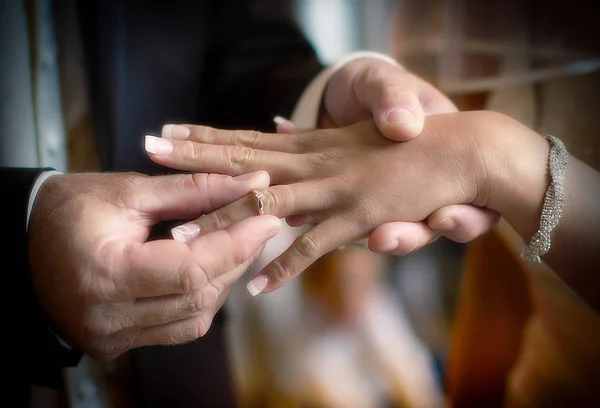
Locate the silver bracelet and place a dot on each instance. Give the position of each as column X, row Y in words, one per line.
column 553, row 202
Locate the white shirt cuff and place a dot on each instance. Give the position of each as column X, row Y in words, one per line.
column 34, row 191
column 306, row 112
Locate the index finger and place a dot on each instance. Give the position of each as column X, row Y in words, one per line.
column 225, row 159
column 249, row 138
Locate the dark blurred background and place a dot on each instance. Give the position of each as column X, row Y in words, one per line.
column 448, row 323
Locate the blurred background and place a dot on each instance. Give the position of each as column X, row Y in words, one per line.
column 446, row 325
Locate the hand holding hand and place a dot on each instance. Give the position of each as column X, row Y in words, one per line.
column 106, row 287
column 346, row 181
column 398, row 102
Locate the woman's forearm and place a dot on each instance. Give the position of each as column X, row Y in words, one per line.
column 520, row 184
column 575, row 251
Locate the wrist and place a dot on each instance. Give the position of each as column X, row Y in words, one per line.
column 517, row 174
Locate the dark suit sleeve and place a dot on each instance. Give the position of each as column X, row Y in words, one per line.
column 258, row 64
column 225, row 63
column 38, row 356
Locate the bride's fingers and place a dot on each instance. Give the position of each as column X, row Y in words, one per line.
column 401, row 238
column 248, row 138
column 280, row 201
column 284, row 126
column 230, row 160
column 306, row 249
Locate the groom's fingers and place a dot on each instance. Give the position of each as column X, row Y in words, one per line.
column 401, row 238
column 463, row 223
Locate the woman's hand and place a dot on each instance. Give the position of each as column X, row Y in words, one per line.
column 398, row 102
column 346, row 181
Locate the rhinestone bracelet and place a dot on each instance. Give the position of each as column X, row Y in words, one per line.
column 553, row 202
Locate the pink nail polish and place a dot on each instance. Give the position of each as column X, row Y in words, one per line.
column 186, row 232
column 175, row 132
column 257, row 285
column 156, row 145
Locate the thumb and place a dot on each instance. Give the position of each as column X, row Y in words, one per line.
column 397, row 112
column 392, row 97
column 191, row 195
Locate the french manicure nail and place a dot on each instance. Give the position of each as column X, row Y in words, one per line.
column 445, row 225
column 257, row 285
column 156, row 145
column 186, row 232
column 176, row 132
column 280, row 120
column 399, row 115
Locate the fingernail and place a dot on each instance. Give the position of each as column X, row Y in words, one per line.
column 445, row 225
column 156, row 145
column 257, row 285
column 280, row 120
column 390, row 246
column 398, row 115
column 257, row 179
column 176, row 132
column 186, row 232
column 283, row 125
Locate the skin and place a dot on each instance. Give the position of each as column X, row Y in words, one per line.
column 106, row 287
column 115, row 291
column 349, row 181
column 373, row 89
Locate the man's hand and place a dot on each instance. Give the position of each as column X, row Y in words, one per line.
column 398, row 102
column 106, row 287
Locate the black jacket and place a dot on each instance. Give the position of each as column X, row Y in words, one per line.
column 225, row 63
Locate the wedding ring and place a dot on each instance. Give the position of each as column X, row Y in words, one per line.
column 259, row 202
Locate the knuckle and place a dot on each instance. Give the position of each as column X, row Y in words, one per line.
column 405, row 245
column 307, row 142
column 273, row 199
column 197, row 182
column 194, row 303
column 207, row 297
column 241, row 254
column 98, row 328
column 190, row 151
column 464, row 234
column 199, row 327
column 192, row 277
column 207, row 134
column 322, row 158
column 366, row 215
column 278, row 272
column 128, row 189
column 250, row 138
column 239, row 157
column 307, row 247
column 215, row 221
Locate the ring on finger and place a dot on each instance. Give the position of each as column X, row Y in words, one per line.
column 259, row 202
